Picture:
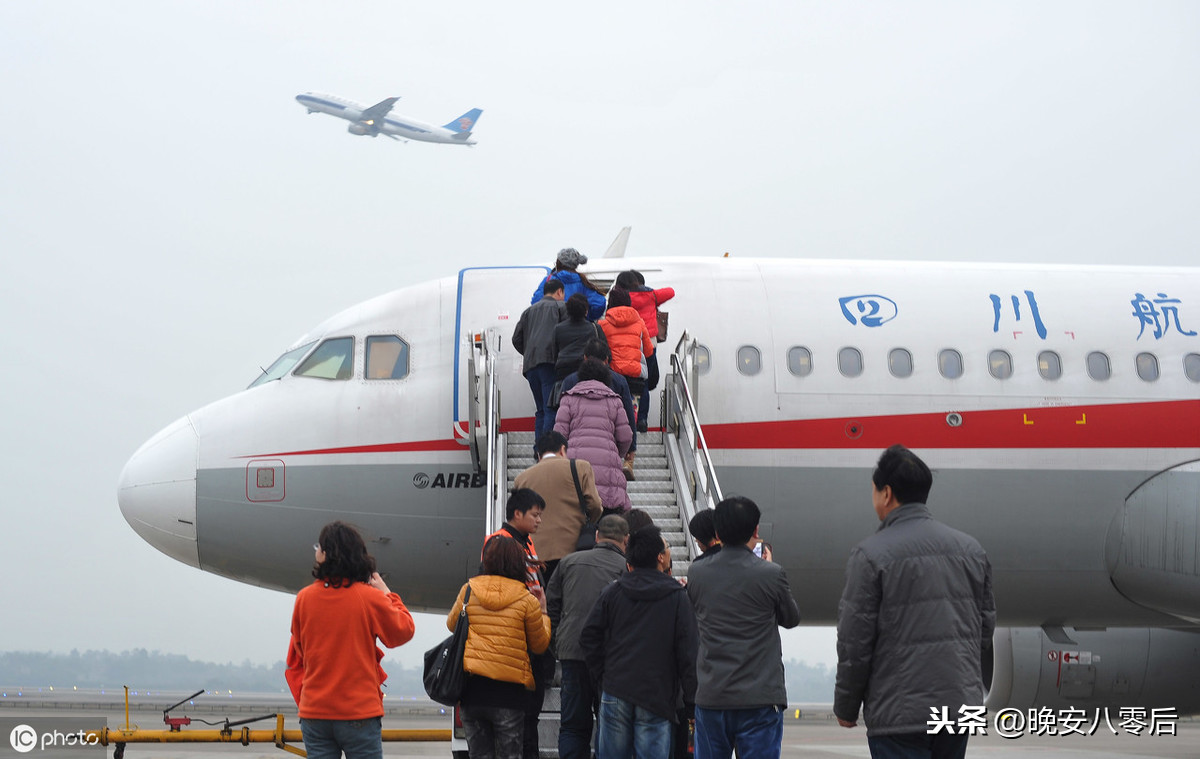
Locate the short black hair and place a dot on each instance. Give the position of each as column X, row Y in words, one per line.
column 594, row 369
column 597, row 349
column 577, row 307
column 908, row 476
column 644, row 547
column 552, row 286
column 618, row 297
column 702, row 527
column 550, row 443
column 637, row 519
column 522, row 500
column 735, row 519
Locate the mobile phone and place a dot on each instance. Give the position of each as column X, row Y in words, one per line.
column 758, row 549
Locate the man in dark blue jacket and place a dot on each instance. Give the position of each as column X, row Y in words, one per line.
column 640, row 646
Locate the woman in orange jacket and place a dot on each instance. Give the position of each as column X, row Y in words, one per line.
column 332, row 663
column 505, row 622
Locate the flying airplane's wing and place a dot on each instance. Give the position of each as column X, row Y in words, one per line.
column 379, row 110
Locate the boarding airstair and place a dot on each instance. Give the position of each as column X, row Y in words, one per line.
column 674, row 475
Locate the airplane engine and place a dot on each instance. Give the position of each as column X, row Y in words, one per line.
column 1117, row 667
column 360, row 130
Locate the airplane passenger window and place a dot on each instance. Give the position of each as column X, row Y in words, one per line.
column 703, row 359
column 900, row 362
column 333, row 359
column 1098, row 367
column 1000, row 364
column 282, row 365
column 799, row 361
column 1049, row 365
column 950, row 363
column 1147, row 366
column 387, row 357
column 850, row 362
column 1191, row 366
column 749, row 360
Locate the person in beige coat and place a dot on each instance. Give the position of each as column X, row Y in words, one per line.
column 562, row 518
column 505, row 622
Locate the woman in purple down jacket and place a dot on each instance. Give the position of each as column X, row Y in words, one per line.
column 593, row 420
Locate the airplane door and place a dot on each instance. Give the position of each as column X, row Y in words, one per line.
column 492, row 298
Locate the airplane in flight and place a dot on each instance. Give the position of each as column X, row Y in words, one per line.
column 378, row 119
column 1059, row 407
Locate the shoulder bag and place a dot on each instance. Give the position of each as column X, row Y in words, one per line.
column 662, row 318
column 443, row 676
column 587, row 533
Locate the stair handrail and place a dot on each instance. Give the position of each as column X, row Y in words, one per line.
column 487, row 450
column 680, row 392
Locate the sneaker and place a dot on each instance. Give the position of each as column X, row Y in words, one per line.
column 643, row 427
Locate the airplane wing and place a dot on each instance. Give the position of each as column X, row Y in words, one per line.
column 379, row 110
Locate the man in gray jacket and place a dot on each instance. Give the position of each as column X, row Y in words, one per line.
column 574, row 588
column 740, row 601
column 915, row 617
column 534, row 340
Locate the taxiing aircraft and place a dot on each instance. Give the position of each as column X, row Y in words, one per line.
column 1059, row 407
column 378, row 119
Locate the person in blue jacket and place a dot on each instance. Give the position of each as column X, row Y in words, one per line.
column 564, row 271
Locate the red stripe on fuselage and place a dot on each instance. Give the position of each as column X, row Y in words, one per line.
column 1165, row 424
column 1162, row 424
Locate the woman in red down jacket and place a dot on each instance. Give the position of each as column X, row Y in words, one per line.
column 646, row 301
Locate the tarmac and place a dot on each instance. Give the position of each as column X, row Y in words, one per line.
column 815, row 735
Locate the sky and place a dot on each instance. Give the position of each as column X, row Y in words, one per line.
column 171, row 219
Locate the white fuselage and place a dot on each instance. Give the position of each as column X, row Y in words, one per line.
column 392, row 124
column 1082, row 489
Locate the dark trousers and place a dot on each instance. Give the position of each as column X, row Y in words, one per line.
column 492, row 732
column 541, row 384
column 578, row 711
column 543, row 673
column 918, row 746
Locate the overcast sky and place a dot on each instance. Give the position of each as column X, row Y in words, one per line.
column 171, row 219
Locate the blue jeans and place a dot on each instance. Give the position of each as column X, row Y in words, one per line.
column 328, row 738
column 918, row 746
column 578, row 711
column 493, row 732
column 628, row 730
column 756, row 733
column 541, row 384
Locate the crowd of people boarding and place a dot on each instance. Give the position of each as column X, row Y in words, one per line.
column 644, row 655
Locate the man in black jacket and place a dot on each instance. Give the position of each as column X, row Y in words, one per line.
column 573, row 590
column 640, row 646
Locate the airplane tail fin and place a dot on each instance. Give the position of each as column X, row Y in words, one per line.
column 463, row 125
column 617, row 249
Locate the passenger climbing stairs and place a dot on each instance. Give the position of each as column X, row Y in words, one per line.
column 652, row 490
column 673, row 473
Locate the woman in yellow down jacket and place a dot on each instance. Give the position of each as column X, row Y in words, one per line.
column 506, row 622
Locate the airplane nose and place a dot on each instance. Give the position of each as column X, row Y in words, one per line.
column 157, row 491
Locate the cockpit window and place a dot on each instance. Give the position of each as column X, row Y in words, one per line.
column 333, row 360
column 387, row 357
column 282, row 365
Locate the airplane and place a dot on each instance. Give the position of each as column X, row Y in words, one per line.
column 1059, row 407
column 378, row 119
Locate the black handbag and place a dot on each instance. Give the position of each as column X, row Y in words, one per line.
column 587, row 533
column 443, row 676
